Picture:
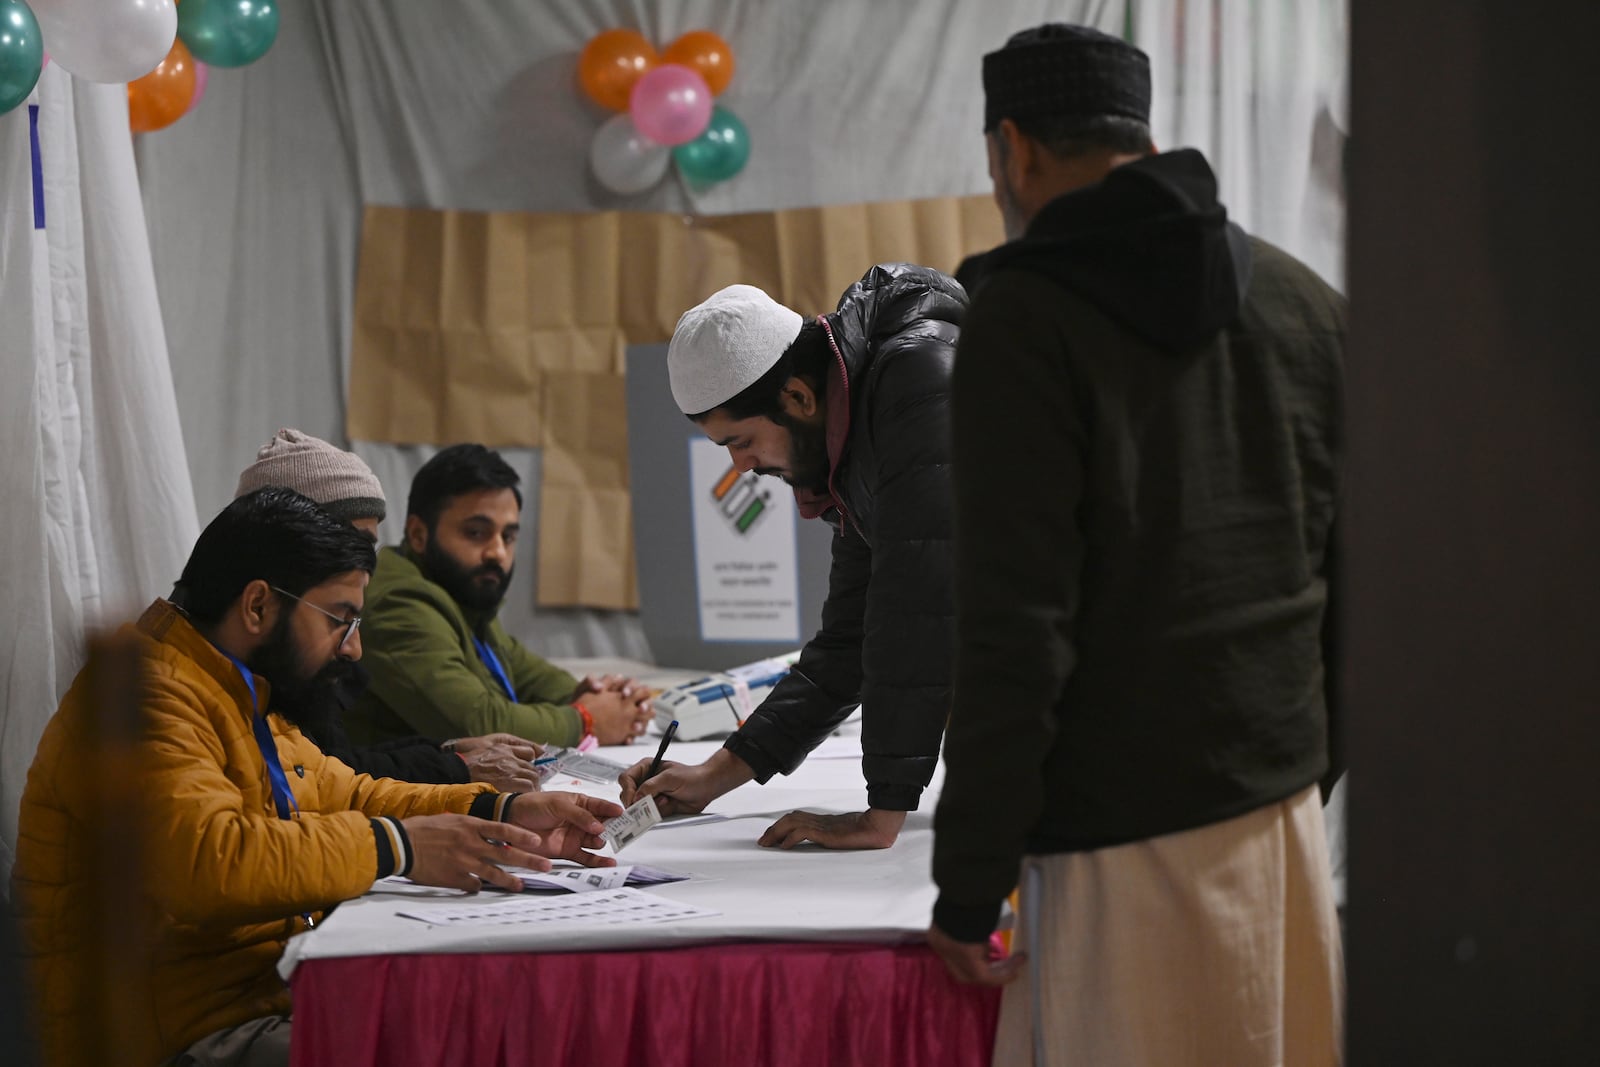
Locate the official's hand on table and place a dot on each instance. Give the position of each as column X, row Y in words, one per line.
column 628, row 687
column 459, row 852
column 682, row 789
column 521, row 747
column 509, row 768
column 873, row 828
column 618, row 718
column 974, row 963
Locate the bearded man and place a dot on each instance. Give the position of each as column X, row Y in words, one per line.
column 440, row 663
column 245, row 831
column 851, row 409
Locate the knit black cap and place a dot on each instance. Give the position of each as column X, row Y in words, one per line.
column 1057, row 71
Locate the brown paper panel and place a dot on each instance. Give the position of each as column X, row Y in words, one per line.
column 593, row 533
column 512, row 329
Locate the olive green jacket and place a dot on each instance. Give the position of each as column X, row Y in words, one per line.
column 426, row 675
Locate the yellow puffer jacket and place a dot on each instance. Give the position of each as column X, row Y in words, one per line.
column 223, row 881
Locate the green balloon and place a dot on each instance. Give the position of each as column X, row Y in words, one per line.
column 228, row 33
column 717, row 154
column 21, row 53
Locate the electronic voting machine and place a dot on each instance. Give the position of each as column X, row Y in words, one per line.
column 718, row 704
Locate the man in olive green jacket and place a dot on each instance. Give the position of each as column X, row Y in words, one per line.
column 440, row 663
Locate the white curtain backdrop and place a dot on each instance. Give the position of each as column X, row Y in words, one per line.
column 99, row 509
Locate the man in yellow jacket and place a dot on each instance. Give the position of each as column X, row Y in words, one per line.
column 246, row 831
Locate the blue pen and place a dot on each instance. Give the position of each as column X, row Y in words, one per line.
column 544, row 760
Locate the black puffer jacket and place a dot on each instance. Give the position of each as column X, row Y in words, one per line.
column 886, row 634
column 405, row 759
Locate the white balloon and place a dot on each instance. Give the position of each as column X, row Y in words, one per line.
column 625, row 160
column 107, row 40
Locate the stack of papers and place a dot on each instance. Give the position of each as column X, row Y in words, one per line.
column 592, row 879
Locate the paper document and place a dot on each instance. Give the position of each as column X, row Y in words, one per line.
column 613, row 908
column 593, row 879
column 628, row 827
column 691, row 819
column 580, row 765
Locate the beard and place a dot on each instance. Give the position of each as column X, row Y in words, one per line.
column 1011, row 215
column 808, row 467
column 308, row 700
column 479, row 588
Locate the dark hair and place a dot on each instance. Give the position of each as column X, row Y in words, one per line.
column 456, row 470
column 275, row 535
column 808, row 356
column 1070, row 137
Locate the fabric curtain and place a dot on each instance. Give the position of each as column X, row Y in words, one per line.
column 99, row 509
column 777, row 1004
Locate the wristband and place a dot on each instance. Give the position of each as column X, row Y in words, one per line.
column 588, row 720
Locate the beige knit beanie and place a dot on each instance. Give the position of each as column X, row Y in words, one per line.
column 338, row 480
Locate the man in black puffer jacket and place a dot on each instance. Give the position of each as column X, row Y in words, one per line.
column 852, row 410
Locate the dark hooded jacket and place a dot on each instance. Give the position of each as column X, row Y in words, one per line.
column 1146, row 434
column 888, row 620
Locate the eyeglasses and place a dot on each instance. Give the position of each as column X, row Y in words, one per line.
column 351, row 625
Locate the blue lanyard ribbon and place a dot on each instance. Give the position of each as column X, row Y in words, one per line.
column 492, row 661
column 282, row 796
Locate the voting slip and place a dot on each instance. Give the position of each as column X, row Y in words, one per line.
column 570, row 761
column 617, row 907
column 631, row 824
column 592, row 879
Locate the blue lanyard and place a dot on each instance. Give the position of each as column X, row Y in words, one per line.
column 282, row 796
column 492, row 661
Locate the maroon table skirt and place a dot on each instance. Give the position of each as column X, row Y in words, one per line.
column 756, row 1004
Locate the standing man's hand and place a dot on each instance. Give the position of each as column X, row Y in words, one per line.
column 972, row 963
column 461, row 852
column 873, row 828
column 617, row 719
column 680, row 789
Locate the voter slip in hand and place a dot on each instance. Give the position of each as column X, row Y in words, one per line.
column 626, row 828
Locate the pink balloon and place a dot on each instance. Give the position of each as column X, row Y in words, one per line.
column 671, row 104
column 201, row 73
column 46, row 61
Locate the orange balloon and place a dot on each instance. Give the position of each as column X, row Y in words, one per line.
column 611, row 63
column 161, row 97
column 705, row 52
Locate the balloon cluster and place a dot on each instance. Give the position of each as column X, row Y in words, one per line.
column 666, row 109
column 161, row 49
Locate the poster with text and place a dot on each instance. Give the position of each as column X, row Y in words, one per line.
column 744, row 550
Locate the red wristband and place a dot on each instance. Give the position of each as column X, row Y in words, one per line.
column 588, row 720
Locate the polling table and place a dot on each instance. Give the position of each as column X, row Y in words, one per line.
column 761, row 957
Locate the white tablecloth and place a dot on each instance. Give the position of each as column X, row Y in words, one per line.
column 807, row 894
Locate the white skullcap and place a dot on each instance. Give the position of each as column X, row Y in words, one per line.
column 725, row 344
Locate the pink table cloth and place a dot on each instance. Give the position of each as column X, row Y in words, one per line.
column 748, row 1004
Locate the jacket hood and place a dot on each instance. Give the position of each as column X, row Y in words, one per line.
column 1150, row 246
column 889, row 299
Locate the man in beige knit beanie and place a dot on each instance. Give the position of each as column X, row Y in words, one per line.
column 345, row 487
